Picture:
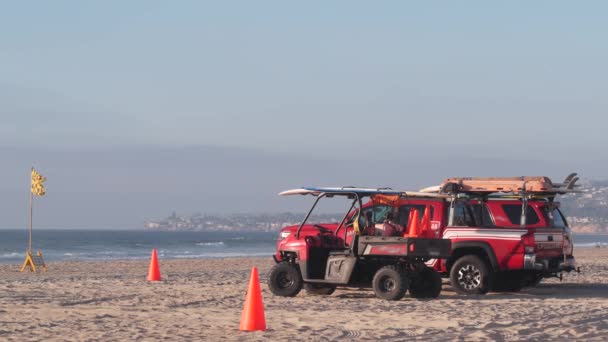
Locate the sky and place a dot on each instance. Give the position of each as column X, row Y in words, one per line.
column 475, row 87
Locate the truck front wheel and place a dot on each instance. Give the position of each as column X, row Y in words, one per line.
column 426, row 284
column 470, row 275
column 285, row 279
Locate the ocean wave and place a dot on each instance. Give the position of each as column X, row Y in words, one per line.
column 11, row 255
column 591, row 244
column 211, row 244
column 217, row 255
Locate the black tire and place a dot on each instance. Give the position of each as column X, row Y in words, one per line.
column 470, row 275
column 426, row 284
column 390, row 283
column 285, row 279
column 533, row 279
column 319, row 289
column 508, row 282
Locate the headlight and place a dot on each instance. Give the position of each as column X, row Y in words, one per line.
column 284, row 235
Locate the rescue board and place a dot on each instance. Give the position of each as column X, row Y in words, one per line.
column 360, row 191
column 516, row 185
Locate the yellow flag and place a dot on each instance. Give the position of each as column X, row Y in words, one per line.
column 37, row 180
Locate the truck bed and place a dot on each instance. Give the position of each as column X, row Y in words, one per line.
column 404, row 246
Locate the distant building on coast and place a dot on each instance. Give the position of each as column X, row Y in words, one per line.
column 234, row 222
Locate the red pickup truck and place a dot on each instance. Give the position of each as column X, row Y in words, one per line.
column 490, row 249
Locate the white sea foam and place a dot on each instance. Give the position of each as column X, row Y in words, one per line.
column 218, row 255
column 211, row 244
column 11, row 255
column 591, row 244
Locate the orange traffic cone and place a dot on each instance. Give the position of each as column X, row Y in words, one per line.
column 154, row 271
column 413, row 224
column 253, row 311
column 425, row 225
column 406, row 230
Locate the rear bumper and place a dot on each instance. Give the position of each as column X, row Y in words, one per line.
column 544, row 265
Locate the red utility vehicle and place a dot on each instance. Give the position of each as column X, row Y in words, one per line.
column 320, row 257
column 503, row 236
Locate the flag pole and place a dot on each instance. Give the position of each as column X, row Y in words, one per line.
column 31, row 215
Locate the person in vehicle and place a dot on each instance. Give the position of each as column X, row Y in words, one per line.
column 389, row 227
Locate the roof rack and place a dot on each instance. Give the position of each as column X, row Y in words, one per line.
column 539, row 186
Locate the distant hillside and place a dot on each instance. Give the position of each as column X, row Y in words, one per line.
column 588, row 212
column 235, row 222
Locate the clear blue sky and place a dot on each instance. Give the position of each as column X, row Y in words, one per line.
column 91, row 91
column 297, row 77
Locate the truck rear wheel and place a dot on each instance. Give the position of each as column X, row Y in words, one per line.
column 390, row 283
column 319, row 289
column 285, row 279
column 510, row 281
column 426, row 284
column 533, row 279
column 469, row 275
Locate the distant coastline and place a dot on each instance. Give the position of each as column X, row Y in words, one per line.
column 587, row 213
column 274, row 222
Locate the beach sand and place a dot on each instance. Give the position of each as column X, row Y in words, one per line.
column 202, row 300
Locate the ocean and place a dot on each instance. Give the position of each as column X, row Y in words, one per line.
column 100, row 245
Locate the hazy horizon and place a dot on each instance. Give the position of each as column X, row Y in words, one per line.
column 122, row 187
column 136, row 109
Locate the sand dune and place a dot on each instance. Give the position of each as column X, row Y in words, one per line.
column 203, row 299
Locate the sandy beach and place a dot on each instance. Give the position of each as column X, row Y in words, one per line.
column 203, row 299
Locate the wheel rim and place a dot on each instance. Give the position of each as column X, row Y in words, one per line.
column 284, row 281
column 388, row 284
column 469, row 277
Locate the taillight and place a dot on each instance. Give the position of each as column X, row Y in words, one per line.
column 528, row 242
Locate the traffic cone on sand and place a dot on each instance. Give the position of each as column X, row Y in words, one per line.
column 253, row 318
column 154, row 271
column 412, row 225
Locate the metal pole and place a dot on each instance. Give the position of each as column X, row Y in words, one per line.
column 524, row 206
column 308, row 215
column 31, row 215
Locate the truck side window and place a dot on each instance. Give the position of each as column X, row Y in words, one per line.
column 513, row 212
column 482, row 215
column 463, row 216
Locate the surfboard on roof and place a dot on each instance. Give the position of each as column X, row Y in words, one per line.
column 528, row 184
column 316, row 191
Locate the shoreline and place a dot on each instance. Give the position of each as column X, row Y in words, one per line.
column 600, row 246
column 269, row 256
